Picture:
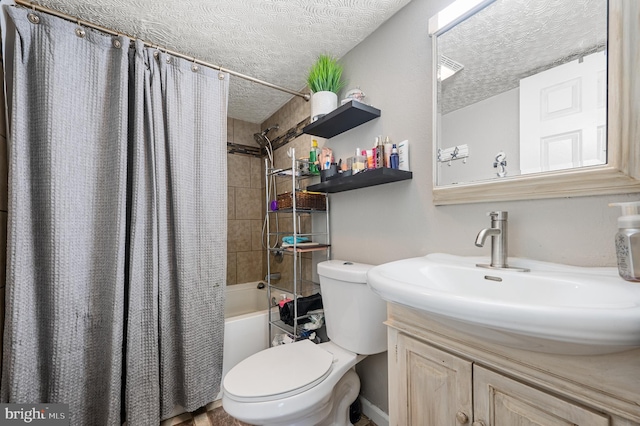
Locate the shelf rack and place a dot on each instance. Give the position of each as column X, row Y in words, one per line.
column 342, row 119
column 346, row 117
column 296, row 250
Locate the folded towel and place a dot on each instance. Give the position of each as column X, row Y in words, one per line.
column 290, row 239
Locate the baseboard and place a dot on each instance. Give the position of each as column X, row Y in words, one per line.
column 375, row 414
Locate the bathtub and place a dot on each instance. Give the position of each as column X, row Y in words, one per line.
column 246, row 324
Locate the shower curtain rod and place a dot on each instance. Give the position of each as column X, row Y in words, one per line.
column 33, row 6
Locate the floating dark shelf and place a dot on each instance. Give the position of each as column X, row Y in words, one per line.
column 361, row 180
column 346, row 117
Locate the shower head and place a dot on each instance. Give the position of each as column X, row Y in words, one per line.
column 262, row 139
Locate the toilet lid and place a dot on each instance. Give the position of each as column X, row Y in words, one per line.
column 278, row 372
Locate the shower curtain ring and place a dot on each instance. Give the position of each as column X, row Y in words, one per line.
column 168, row 58
column 80, row 31
column 194, row 66
column 32, row 17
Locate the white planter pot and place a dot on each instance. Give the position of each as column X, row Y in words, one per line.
column 322, row 103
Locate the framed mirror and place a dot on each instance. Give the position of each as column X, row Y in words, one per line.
column 535, row 99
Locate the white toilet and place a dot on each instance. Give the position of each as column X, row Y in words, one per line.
column 304, row 384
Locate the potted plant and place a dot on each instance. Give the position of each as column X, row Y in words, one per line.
column 325, row 81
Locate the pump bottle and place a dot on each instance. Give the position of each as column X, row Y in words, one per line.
column 628, row 241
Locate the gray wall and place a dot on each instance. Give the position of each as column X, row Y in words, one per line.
column 398, row 220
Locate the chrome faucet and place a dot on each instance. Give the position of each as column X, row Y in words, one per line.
column 499, row 242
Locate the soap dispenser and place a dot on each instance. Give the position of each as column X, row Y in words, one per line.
column 628, row 241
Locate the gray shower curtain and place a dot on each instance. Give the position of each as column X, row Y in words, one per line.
column 117, row 225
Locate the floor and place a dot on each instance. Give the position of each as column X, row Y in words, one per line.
column 214, row 415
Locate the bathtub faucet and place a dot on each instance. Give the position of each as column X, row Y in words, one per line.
column 273, row 276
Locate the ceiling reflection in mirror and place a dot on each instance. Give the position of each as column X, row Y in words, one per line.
column 521, row 89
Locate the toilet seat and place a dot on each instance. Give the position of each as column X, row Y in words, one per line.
column 278, row 372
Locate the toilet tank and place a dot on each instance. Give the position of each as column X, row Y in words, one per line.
column 354, row 314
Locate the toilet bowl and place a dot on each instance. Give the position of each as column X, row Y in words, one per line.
column 307, row 384
column 265, row 400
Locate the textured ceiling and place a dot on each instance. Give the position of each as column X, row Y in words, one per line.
column 511, row 40
column 272, row 40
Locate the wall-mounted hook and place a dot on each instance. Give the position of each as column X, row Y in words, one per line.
column 501, row 164
column 452, row 153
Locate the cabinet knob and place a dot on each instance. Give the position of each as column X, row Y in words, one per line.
column 478, row 423
column 462, row 418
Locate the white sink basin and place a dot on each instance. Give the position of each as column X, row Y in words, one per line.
column 554, row 308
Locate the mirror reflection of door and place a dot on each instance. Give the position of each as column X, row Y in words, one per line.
column 563, row 116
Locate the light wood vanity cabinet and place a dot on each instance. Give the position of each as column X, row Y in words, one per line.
column 435, row 385
column 501, row 401
column 439, row 376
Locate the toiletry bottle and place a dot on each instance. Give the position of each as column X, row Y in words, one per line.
column 313, row 158
column 350, row 161
column 628, row 241
column 379, row 154
column 387, row 151
column 370, row 161
column 358, row 162
column 394, row 159
column 374, row 153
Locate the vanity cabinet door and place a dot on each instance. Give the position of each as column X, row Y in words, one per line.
column 500, row 401
column 428, row 387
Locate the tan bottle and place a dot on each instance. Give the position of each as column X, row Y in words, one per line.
column 387, row 152
column 379, row 153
